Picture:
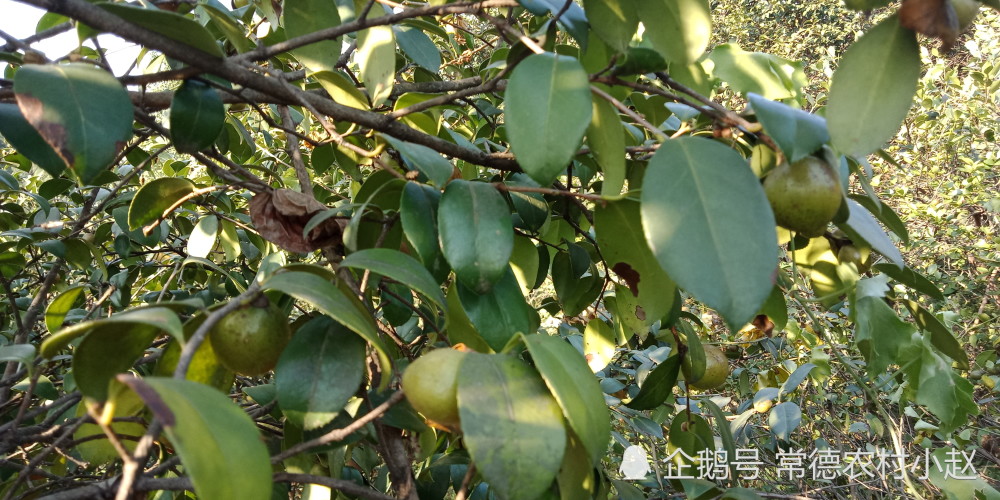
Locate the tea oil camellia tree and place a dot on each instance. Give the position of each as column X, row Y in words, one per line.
column 569, row 196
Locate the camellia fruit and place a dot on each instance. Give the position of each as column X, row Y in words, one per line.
column 431, row 385
column 804, row 196
column 716, row 369
column 965, row 12
column 250, row 339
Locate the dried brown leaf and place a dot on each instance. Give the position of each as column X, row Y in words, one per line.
column 281, row 216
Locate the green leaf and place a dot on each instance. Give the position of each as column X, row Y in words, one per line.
column 26, row 140
column 11, row 263
column 169, row 24
column 792, row 382
column 400, row 267
column 619, row 232
column 512, row 425
column 160, row 318
column 202, row 239
column 476, row 233
column 784, row 419
column 418, row 208
column 341, row 90
column 437, row 168
column 501, row 313
column 677, row 29
column 946, row 394
column 573, row 18
column 883, row 213
column 879, row 333
column 376, row 55
column 873, row 87
column 575, row 387
column 861, row 226
column 196, row 117
column 218, row 444
column 524, row 261
column 606, row 138
column 18, row 353
column 460, row 328
column 797, row 132
column 418, row 47
column 227, row 24
column 725, row 433
column 55, row 313
column 107, row 350
column 658, row 385
column 941, row 336
column 599, row 344
column 547, row 112
column 81, row 111
column 575, row 280
column 614, row 21
column 320, row 351
column 331, row 300
column 911, row 279
column 955, row 483
column 301, row 17
column 768, row 75
column 710, row 226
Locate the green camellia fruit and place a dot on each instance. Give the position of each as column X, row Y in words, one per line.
column 431, row 385
column 804, row 196
column 250, row 339
column 716, row 369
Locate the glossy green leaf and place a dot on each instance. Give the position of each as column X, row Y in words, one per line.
column 879, row 333
column 418, row 214
column 320, row 351
column 108, row 349
column 196, row 116
column 418, row 47
column 941, row 336
column 342, row 89
column 501, row 313
column 572, row 17
column 613, row 21
column 658, row 385
column 574, row 386
column 26, row 140
column 169, row 24
column 784, row 419
column 606, row 138
column 512, row 425
column 619, row 231
column 547, row 112
column 203, row 237
column 55, row 313
column 331, row 300
column 475, row 233
column 228, row 25
column 376, row 56
column 883, row 213
column 873, row 87
column 80, row 110
column 797, row 132
column 861, row 226
column 302, row 17
column 768, row 75
column 911, row 279
column 160, row 318
column 524, row 261
column 575, row 280
column 460, row 328
column 400, row 267
column 154, row 198
column 678, row 29
column 437, row 168
column 710, row 226
column 218, row 443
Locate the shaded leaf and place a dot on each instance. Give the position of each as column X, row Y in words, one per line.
column 398, row 266
column 911, row 279
column 55, row 313
column 476, row 233
column 797, row 132
column 437, row 168
column 196, row 116
column 499, row 314
column 784, row 419
column 26, row 140
column 418, row 47
column 658, row 385
column 152, row 200
column 860, row 225
column 301, row 17
column 169, row 24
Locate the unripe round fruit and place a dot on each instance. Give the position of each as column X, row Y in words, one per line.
column 250, row 339
column 716, row 369
column 849, row 254
column 763, row 405
column 431, row 385
column 804, row 196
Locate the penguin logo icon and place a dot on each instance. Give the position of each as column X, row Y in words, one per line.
column 635, row 463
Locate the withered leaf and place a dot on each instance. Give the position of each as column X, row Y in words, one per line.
column 933, row 18
column 281, row 216
column 763, row 323
column 631, row 276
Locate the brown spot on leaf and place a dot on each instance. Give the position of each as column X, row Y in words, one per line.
column 640, row 313
column 281, row 216
column 628, row 274
column 53, row 133
column 149, row 396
